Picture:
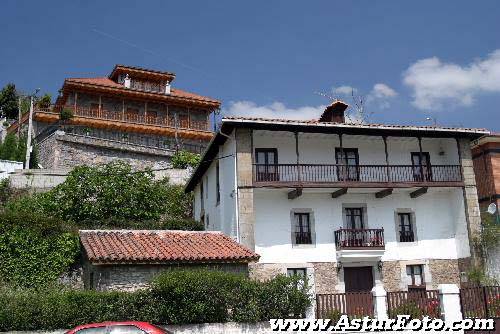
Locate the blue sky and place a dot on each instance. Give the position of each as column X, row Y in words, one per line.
column 410, row 60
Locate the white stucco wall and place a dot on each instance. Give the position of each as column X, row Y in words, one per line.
column 320, row 148
column 436, row 224
column 7, row 167
column 222, row 216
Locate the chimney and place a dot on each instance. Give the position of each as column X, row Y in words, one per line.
column 335, row 112
column 167, row 88
column 126, row 82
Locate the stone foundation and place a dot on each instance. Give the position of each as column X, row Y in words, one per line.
column 135, row 277
column 325, row 277
column 391, row 275
column 265, row 271
column 444, row 272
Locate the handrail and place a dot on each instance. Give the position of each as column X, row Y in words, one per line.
column 359, row 238
column 331, row 173
column 96, row 113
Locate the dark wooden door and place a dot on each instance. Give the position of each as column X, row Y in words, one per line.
column 358, row 279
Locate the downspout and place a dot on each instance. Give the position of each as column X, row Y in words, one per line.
column 236, row 190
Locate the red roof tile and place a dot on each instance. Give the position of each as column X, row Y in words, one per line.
column 162, row 246
column 174, row 92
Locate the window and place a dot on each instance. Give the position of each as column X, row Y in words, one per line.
column 267, row 161
column 405, row 227
column 422, row 170
column 354, row 218
column 296, row 272
column 302, row 228
column 415, row 276
column 93, row 330
column 347, row 160
column 217, row 181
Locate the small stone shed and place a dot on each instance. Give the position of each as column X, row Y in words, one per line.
column 128, row 260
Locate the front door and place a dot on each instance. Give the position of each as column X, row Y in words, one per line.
column 358, row 286
column 358, row 279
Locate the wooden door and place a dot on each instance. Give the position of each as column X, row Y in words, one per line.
column 358, row 286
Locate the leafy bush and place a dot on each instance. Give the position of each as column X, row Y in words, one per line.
column 333, row 315
column 185, row 159
column 111, row 195
column 176, row 297
column 34, row 249
column 66, row 114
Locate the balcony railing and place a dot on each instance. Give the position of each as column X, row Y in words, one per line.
column 96, row 113
column 335, row 173
column 359, row 238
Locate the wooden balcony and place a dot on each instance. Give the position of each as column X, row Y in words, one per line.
column 359, row 239
column 142, row 123
column 372, row 176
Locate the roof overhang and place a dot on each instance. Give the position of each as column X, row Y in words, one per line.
column 143, row 73
column 229, row 124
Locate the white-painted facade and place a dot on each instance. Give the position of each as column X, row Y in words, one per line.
column 439, row 215
column 8, row 167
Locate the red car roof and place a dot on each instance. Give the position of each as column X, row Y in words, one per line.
column 141, row 324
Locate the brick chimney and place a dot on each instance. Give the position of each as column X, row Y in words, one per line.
column 335, row 112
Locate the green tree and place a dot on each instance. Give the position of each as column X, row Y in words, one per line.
column 112, row 195
column 8, row 101
column 9, row 148
column 185, row 159
column 44, row 101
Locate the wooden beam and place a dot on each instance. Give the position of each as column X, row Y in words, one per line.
column 340, row 192
column 383, row 193
column 418, row 192
column 295, row 193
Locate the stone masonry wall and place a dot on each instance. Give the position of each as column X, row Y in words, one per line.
column 472, row 213
column 444, row 272
column 391, row 275
column 62, row 150
column 134, row 277
column 325, row 277
column 265, row 271
column 246, row 219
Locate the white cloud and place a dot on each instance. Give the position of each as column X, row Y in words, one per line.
column 436, row 84
column 273, row 110
column 382, row 91
column 344, row 90
column 381, row 94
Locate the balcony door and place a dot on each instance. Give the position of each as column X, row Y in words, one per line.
column 421, row 166
column 347, row 164
column 267, row 161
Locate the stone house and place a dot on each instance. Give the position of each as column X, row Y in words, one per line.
column 128, row 260
column 134, row 114
column 351, row 205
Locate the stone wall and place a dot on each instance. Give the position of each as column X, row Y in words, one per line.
column 471, row 203
column 134, row 277
column 391, row 275
column 246, row 214
column 444, row 272
column 325, row 277
column 265, row 271
column 39, row 180
column 63, row 150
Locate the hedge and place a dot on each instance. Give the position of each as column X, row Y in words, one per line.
column 176, row 297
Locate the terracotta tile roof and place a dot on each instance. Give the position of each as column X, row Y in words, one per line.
column 162, row 246
column 352, row 125
column 106, row 82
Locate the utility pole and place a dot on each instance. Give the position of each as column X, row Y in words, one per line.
column 19, row 116
column 28, row 140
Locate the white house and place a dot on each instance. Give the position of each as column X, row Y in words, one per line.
column 350, row 205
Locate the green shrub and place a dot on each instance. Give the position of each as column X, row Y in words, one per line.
column 34, row 250
column 409, row 308
column 66, row 114
column 333, row 315
column 176, row 297
column 111, row 195
column 185, row 159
